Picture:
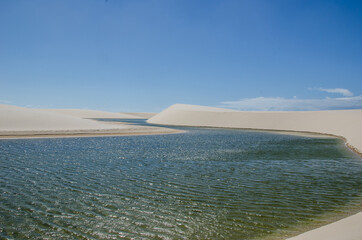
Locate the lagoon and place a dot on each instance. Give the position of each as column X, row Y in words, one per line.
column 202, row 184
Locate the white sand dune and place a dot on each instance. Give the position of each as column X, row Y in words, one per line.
column 83, row 113
column 343, row 123
column 14, row 118
column 19, row 122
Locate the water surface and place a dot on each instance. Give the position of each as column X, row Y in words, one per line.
column 202, row 184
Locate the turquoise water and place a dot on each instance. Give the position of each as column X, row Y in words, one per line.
column 202, row 184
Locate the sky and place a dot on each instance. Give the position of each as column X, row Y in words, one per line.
column 143, row 56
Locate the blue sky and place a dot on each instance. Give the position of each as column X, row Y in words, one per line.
column 136, row 55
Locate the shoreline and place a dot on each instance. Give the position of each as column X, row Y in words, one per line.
column 346, row 228
column 344, row 124
column 324, row 219
column 75, row 134
column 286, row 132
column 132, row 132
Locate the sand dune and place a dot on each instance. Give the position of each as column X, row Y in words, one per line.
column 83, row 113
column 14, row 118
column 26, row 122
column 144, row 115
column 343, row 123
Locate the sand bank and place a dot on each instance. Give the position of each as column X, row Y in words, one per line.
column 346, row 229
column 89, row 133
column 19, row 122
column 346, row 124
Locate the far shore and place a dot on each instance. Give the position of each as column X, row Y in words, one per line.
column 344, row 124
column 132, row 132
column 289, row 132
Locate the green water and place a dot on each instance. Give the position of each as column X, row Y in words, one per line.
column 202, row 184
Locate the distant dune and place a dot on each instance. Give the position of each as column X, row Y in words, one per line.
column 342, row 123
column 14, row 118
column 27, row 122
column 83, row 113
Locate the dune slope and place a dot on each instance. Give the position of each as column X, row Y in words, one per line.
column 19, row 122
column 143, row 115
column 83, row 113
column 13, row 119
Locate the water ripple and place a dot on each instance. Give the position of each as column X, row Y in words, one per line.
column 204, row 184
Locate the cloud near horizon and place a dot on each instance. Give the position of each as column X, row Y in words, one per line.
column 343, row 91
column 294, row 104
column 4, row 101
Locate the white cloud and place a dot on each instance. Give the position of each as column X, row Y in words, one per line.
column 343, row 91
column 5, row 101
column 37, row 106
column 294, row 104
